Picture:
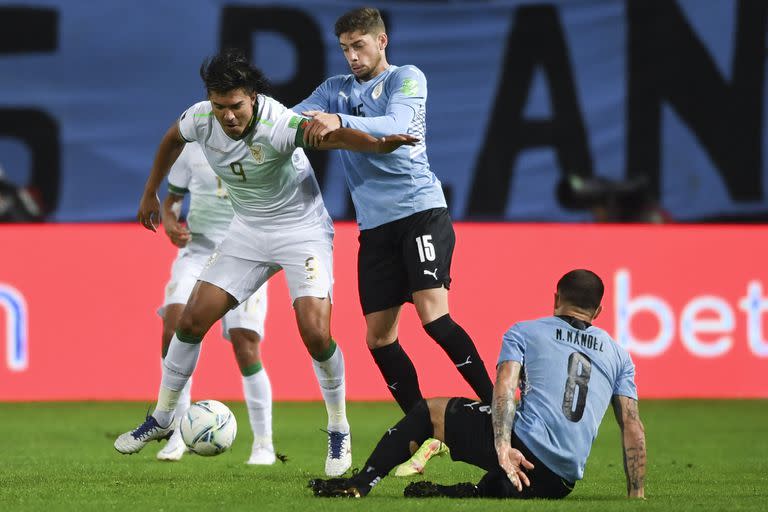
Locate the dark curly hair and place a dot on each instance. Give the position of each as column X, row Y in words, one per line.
column 230, row 70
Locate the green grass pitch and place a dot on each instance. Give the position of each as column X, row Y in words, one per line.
column 702, row 456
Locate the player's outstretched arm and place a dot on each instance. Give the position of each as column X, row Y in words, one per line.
column 177, row 232
column 633, row 443
column 511, row 460
column 167, row 153
column 397, row 119
column 355, row 140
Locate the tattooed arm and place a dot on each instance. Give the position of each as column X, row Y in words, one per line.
column 633, row 442
column 502, row 416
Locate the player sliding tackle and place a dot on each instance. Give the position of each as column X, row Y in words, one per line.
column 253, row 143
column 568, row 371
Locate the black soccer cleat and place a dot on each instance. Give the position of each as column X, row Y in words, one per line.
column 334, row 488
column 427, row 489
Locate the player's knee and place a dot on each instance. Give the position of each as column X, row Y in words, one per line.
column 315, row 333
column 190, row 324
column 244, row 339
column 317, row 342
column 379, row 340
column 431, row 304
column 380, row 334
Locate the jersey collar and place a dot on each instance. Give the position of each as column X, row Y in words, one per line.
column 249, row 129
column 575, row 322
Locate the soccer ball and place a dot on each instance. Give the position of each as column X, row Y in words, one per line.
column 208, row 428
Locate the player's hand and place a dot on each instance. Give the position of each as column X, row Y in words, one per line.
column 321, row 125
column 149, row 211
column 389, row 143
column 176, row 231
column 512, row 461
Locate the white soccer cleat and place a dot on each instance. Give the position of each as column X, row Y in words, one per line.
column 262, row 455
column 339, row 458
column 135, row 440
column 174, row 448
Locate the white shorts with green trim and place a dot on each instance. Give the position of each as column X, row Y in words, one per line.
column 248, row 257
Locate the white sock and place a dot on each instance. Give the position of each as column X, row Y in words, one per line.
column 330, row 376
column 258, row 398
column 178, row 365
column 184, row 400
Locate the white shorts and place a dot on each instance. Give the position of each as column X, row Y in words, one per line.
column 248, row 257
column 186, row 269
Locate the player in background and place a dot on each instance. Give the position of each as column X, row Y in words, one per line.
column 406, row 233
column 208, row 219
column 253, row 144
column 568, row 372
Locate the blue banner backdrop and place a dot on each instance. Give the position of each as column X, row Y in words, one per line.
column 519, row 94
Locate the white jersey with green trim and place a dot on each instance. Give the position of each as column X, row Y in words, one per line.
column 269, row 179
column 210, row 211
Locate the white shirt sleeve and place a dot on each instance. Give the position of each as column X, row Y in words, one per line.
column 287, row 129
column 181, row 172
column 193, row 119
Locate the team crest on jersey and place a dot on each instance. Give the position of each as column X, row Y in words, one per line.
column 311, row 267
column 377, row 90
column 257, row 151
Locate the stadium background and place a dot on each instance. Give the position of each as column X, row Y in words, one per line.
column 523, row 97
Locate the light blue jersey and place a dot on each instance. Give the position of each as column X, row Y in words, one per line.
column 569, row 377
column 384, row 187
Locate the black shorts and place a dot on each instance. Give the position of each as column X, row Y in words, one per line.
column 469, row 435
column 404, row 256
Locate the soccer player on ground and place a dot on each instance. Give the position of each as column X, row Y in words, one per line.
column 568, row 372
column 210, row 214
column 253, row 143
column 406, row 234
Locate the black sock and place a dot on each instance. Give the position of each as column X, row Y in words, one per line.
column 394, row 447
column 462, row 351
column 399, row 374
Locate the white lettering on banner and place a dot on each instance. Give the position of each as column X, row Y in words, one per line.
column 755, row 304
column 690, row 326
column 625, row 308
column 702, row 314
column 17, row 350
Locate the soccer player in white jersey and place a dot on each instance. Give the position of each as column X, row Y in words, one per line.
column 253, row 143
column 406, row 233
column 210, row 214
column 568, row 372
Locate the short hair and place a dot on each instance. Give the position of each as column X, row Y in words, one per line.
column 581, row 288
column 230, row 70
column 365, row 19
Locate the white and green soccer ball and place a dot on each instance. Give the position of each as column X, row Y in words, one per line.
column 208, row 428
